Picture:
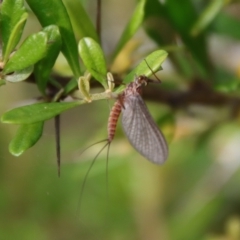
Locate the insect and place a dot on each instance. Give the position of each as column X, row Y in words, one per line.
column 137, row 123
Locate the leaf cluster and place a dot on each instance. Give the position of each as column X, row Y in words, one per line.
column 38, row 53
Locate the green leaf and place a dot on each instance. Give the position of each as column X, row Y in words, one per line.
column 13, row 18
column 20, row 75
column 15, row 36
column 132, row 26
column 154, row 60
column 26, row 136
column 82, row 24
column 54, row 13
column 43, row 68
column 206, row 17
column 227, row 25
column 92, row 56
column 32, row 50
column 37, row 112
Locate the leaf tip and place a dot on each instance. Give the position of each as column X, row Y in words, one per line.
column 15, row 153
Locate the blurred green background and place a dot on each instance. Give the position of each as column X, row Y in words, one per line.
column 194, row 195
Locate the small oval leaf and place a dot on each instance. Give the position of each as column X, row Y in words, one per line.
column 26, row 136
column 37, row 112
column 93, row 58
column 154, row 60
column 32, row 50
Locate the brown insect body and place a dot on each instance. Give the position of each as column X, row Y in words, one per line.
column 131, row 89
column 116, row 110
column 113, row 119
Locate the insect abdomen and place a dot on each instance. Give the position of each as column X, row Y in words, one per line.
column 113, row 118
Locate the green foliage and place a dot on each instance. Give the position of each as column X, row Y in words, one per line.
column 36, row 112
column 26, row 136
column 80, row 18
column 155, row 60
column 19, row 75
column 13, row 18
column 195, row 195
column 54, row 13
column 222, row 23
column 208, row 16
column 92, row 56
column 31, row 51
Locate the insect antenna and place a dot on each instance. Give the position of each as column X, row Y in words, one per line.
column 112, row 124
column 150, row 80
column 89, row 169
column 107, row 161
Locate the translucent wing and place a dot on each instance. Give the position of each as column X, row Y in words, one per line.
column 142, row 131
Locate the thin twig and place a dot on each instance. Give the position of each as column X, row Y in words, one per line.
column 57, row 135
column 198, row 93
column 98, row 19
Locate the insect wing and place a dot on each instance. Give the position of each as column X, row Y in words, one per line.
column 142, row 131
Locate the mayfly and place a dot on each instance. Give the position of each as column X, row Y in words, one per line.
column 138, row 125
